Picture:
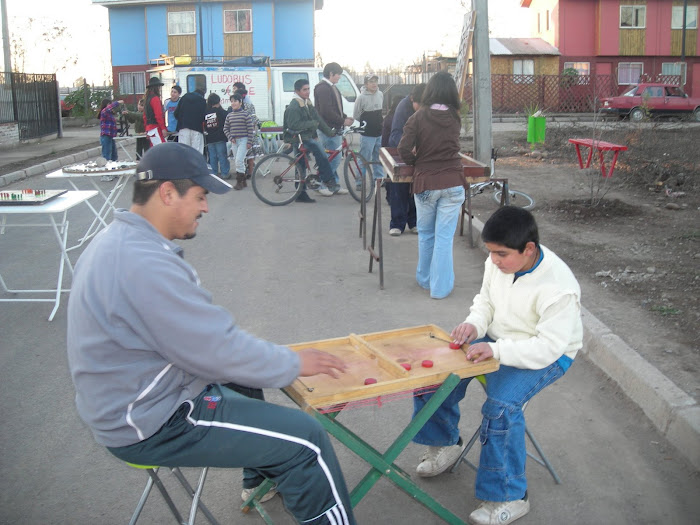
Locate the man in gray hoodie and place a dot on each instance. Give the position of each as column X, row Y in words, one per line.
column 368, row 111
column 158, row 368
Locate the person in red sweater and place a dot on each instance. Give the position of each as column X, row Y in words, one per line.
column 153, row 119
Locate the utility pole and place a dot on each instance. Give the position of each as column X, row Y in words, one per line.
column 483, row 139
column 5, row 38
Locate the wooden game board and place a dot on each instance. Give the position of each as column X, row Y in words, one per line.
column 380, row 356
column 114, row 168
column 399, row 171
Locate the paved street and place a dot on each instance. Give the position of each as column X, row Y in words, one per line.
column 292, row 274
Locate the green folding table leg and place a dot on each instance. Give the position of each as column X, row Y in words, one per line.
column 254, row 500
column 382, row 464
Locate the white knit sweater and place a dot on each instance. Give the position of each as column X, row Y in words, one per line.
column 534, row 320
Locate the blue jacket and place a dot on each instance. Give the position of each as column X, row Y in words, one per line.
column 403, row 112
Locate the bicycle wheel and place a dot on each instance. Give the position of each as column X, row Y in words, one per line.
column 516, row 198
column 353, row 176
column 277, row 180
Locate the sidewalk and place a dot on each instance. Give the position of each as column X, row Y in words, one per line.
column 674, row 413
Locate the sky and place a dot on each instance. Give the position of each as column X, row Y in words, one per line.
column 357, row 34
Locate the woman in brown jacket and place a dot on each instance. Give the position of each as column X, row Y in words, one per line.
column 430, row 142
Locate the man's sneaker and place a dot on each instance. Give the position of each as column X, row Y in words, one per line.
column 322, row 190
column 340, row 191
column 437, row 460
column 304, row 197
column 394, row 232
column 414, row 229
column 107, row 178
column 500, row 512
column 267, row 497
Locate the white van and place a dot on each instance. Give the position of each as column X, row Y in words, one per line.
column 269, row 88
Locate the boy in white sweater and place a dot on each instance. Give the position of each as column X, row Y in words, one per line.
column 528, row 315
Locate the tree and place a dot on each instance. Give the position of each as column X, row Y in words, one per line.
column 41, row 33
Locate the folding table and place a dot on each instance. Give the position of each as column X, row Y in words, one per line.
column 402, row 363
column 110, row 198
column 59, row 205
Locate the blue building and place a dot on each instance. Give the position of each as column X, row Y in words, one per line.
column 142, row 31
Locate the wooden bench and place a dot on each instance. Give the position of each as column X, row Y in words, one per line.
column 602, row 147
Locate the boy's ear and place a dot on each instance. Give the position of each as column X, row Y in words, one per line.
column 530, row 248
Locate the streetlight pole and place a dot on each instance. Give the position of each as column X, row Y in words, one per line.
column 5, row 38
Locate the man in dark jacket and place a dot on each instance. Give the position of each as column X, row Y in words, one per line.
column 190, row 118
column 329, row 103
column 300, row 118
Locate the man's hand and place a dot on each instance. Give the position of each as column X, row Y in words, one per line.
column 464, row 333
column 316, row 362
column 348, row 121
column 479, row 352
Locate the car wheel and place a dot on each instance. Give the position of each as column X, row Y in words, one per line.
column 637, row 114
column 696, row 114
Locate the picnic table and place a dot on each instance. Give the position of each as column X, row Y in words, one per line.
column 602, row 147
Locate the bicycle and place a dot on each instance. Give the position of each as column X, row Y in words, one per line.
column 279, row 178
column 512, row 198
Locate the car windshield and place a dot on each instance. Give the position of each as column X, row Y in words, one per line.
column 631, row 92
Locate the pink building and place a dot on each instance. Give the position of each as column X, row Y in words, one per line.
column 629, row 39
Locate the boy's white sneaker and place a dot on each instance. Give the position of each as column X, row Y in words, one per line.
column 267, row 497
column 500, row 512
column 437, row 460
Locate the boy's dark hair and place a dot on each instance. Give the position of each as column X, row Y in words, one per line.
column 332, row 68
column 238, row 85
column 300, row 84
column 105, row 102
column 417, row 93
column 212, row 99
column 177, row 88
column 511, row 227
column 236, row 96
column 143, row 189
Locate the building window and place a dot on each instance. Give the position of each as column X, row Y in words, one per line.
column 539, row 23
column 132, row 82
column 628, row 73
column 582, row 68
column 523, row 71
column 546, row 20
column 691, row 17
column 633, row 16
column 181, row 23
column 678, row 69
column 238, row 21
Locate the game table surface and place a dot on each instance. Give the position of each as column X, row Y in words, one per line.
column 380, row 356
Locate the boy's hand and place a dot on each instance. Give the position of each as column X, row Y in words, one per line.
column 317, row 362
column 464, row 333
column 479, row 352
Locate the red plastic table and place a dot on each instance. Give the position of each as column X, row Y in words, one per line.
column 602, row 147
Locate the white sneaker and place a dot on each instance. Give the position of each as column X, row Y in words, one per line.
column 437, row 460
column 341, row 191
column 394, row 232
column 267, row 497
column 414, row 230
column 322, row 190
column 499, row 512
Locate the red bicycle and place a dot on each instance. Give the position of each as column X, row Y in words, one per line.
column 278, row 178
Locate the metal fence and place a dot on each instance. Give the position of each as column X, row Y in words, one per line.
column 31, row 100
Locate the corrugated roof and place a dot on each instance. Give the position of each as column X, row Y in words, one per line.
column 521, row 46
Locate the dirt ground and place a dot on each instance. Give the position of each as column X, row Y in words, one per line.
column 637, row 252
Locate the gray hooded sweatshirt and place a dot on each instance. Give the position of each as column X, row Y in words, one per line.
column 143, row 336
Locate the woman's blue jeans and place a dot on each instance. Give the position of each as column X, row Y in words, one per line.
column 437, row 212
column 501, row 474
column 109, row 147
column 218, row 160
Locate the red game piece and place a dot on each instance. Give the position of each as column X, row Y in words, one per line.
column 427, row 363
column 455, row 346
column 407, row 366
column 370, row 381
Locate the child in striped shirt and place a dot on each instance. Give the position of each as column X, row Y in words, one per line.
column 239, row 130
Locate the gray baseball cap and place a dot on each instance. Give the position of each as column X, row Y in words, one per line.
column 172, row 160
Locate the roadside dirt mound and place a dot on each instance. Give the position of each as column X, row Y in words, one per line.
column 633, row 240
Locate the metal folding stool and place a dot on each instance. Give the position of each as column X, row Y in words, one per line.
column 195, row 494
column 542, row 459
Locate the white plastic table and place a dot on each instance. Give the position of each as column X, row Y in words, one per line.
column 110, row 197
column 59, row 205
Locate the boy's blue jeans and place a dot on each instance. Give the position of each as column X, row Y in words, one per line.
column 218, row 158
column 437, row 212
column 501, row 474
column 369, row 149
column 109, row 147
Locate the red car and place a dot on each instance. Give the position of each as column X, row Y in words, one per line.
column 652, row 99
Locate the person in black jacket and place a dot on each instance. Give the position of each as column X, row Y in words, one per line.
column 214, row 136
column 190, row 118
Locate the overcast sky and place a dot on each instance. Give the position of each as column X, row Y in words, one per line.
column 381, row 33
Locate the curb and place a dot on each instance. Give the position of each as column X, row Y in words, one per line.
column 673, row 412
column 51, row 165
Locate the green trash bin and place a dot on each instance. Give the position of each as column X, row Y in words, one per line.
column 536, row 127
